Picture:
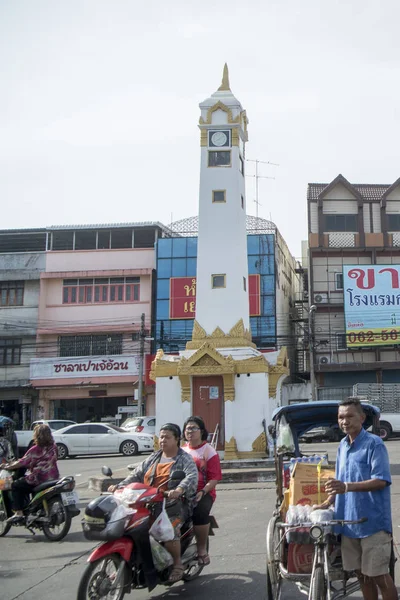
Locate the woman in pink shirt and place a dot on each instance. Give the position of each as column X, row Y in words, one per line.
column 41, row 464
column 209, row 468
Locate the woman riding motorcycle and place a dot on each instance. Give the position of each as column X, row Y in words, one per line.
column 156, row 470
column 41, row 464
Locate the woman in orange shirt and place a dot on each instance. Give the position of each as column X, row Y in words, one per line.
column 156, row 470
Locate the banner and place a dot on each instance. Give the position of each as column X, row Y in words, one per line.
column 182, row 304
column 372, row 305
column 85, row 366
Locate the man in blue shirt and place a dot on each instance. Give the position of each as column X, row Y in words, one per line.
column 361, row 489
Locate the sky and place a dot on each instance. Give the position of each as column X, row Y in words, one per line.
column 99, row 104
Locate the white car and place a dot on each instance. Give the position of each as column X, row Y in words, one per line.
column 140, row 424
column 100, row 438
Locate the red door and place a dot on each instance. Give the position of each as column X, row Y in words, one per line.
column 208, row 403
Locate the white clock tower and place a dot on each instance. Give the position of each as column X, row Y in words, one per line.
column 222, row 273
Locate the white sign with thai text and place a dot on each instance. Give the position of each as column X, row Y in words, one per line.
column 85, row 366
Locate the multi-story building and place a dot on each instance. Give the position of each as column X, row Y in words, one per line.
column 274, row 286
column 22, row 259
column 354, row 247
column 97, row 283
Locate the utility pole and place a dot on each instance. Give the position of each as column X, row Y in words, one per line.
column 142, row 336
column 257, row 177
column 311, row 347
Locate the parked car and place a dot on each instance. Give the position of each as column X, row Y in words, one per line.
column 25, row 438
column 140, row 424
column 323, row 434
column 100, row 438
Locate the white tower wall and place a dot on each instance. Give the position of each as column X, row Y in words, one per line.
column 222, row 239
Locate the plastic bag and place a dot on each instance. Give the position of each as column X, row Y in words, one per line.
column 5, row 480
column 162, row 529
column 161, row 557
column 284, row 438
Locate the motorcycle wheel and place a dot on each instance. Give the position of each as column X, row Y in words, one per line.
column 60, row 520
column 98, row 578
column 4, row 527
column 193, row 569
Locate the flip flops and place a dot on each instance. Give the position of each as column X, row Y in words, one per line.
column 176, row 574
column 203, row 559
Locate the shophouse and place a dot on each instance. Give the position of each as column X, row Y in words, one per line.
column 22, row 259
column 98, row 282
column 354, row 266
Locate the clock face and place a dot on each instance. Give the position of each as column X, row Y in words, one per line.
column 219, row 138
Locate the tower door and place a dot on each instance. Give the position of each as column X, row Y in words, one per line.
column 208, row 403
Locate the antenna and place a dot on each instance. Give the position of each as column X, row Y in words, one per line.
column 257, row 177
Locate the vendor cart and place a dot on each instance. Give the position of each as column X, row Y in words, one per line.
column 306, row 553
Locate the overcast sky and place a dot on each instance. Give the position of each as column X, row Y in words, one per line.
column 99, row 103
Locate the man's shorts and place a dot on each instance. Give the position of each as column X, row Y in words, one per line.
column 370, row 555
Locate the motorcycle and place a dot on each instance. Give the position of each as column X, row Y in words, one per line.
column 50, row 509
column 127, row 559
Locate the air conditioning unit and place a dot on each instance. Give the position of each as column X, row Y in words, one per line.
column 320, row 298
column 324, row 360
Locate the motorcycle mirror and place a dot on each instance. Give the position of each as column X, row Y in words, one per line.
column 106, row 471
column 178, row 476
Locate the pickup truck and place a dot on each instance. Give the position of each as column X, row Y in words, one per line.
column 25, row 438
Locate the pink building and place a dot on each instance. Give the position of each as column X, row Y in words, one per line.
column 97, row 283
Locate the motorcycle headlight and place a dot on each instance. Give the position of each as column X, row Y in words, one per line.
column 316, row 532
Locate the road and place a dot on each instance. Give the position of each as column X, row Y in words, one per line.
column 32, row 568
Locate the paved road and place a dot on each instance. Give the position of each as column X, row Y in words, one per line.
column 84, row 467
column 33, row 569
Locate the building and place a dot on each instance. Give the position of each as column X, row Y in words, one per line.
column 354, row 263
column 220, row 375
column 22, row 260
column 274, row 286
column 97, row 282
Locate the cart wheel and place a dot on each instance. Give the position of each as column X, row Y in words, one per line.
column 273, row 589
column 274, row 579
column 318, row 584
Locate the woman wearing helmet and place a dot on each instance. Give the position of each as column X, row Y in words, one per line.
column 156, row 471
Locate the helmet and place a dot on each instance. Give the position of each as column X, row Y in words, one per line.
column 104, row 519
column 6, row 427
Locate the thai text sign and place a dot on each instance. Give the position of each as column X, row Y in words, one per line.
column 182, row 304
column 85, row 366
column 372, row 304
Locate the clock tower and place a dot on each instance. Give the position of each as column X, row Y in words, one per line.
column 222, row 271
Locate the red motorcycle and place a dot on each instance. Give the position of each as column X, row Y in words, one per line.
column 125, row 560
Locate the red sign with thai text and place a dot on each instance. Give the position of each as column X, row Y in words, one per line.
column 182, row 304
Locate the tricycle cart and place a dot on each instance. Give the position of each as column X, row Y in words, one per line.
column 304, row 552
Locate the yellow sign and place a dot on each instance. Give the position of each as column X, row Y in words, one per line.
column 373, row 337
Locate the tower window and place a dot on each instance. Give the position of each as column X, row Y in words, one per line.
column 242, row 200
column 244, row 283
column 218, row 281
column 241, row 165
column 219, row 196
column 217, row 158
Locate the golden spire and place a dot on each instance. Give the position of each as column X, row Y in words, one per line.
column 224, row 87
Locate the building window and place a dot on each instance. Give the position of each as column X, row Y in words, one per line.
column 242, row 201
column 11, row 293
column 219, row 196
column 244, row 284
column 218, row 281
column 393, row 222
column 341, row 341
column 217, row 158
column 241, row 165
column 341, row 223
column 101, row 289
column 90, row 345
column 338, row 281
column 10, row 351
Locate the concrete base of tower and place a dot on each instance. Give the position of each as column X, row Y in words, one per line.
column 233, row 389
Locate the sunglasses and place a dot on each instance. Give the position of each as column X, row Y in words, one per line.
column 192, row 429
